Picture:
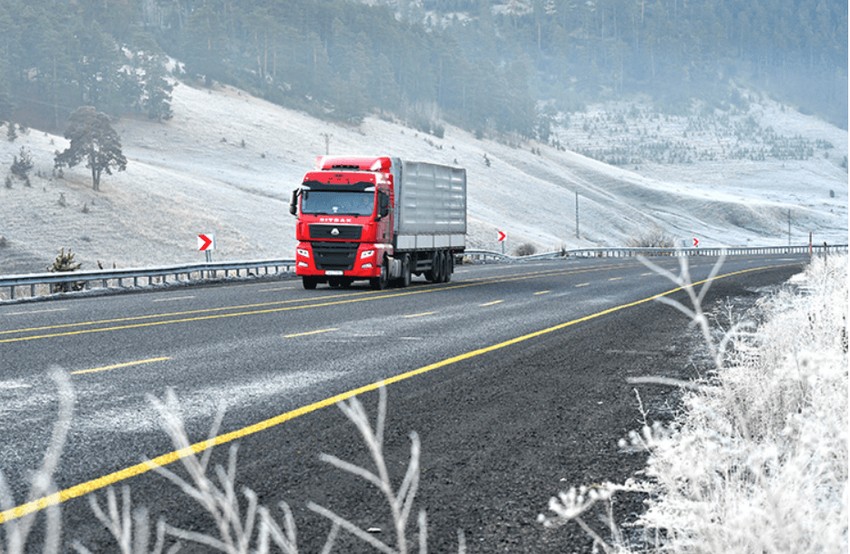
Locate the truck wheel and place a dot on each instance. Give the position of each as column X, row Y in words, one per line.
column 435, row 273
column 403, row 280
column 309, row 282
column 447, row 276
column 380, row 283
column 405, row 271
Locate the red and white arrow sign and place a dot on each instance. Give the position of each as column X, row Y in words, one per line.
column 206, row 242
column 696, row 242
column 502, row 236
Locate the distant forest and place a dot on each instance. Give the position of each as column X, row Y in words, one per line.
column 494, row 67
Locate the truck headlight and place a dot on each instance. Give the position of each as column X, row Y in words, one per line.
column 367, row 254
column 302, row 252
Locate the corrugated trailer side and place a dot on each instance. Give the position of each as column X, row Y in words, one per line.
column 431, row 206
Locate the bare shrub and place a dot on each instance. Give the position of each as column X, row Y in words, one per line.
column 653, row 238
column 525, row 249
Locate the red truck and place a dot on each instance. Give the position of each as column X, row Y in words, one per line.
column 381, row 218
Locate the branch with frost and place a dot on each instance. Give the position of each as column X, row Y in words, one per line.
column 236, row 526
column 400, row 501
column 572, row 504
column 16, row 531
column 130, row 528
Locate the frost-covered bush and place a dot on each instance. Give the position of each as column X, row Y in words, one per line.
column 759, row 461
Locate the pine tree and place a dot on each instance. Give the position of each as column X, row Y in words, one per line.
column 23, row 165
column 64, row 263
column 156, row 90
column 94, row 140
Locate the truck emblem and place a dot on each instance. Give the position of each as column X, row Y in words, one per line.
column 334, row 231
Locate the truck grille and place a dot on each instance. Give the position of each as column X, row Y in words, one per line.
column 350, row 232
column 335, row 255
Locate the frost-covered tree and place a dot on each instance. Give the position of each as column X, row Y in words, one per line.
column 22, row 166
column 156, row 90
column 94, row 140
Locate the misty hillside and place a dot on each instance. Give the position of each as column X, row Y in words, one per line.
column 493, row 67
column 227, row 162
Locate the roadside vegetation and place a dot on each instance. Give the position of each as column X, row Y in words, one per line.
column 756, row 462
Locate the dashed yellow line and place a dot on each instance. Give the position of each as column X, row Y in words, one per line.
column 615, row 278
column 541, row 292
column 582, row 285
column 308, row 333
column 135, row 322
column 423, row 314
column 493, row 303
column 119, row 366
column 171, row 457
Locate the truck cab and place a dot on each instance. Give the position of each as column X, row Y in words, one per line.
column 345, row 221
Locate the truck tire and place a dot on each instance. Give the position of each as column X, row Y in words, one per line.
column 450, row 267
column 309, row 282
column 405, row 271
column 380, row 283
column 442, row 267
column 435, row 274
column 404, row 280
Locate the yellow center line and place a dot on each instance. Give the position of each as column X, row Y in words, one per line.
column 583, row 285
column 615, row 278
column 171, row 457
column 423, row 314
column 538, row 293
column 334, row 301
column 118, row 366
column 308, row 333
column 493, row 303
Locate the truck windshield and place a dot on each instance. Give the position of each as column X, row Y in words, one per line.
column 331, row 202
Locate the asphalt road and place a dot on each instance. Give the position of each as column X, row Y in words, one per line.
column 514, row 376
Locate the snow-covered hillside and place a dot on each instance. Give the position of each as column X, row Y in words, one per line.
column 227, row 162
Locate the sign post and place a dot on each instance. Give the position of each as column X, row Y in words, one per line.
column 501, row 237
column 206, row 244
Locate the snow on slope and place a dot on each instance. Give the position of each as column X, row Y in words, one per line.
column 194, row 174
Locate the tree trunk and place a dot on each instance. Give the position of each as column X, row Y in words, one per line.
column 95, row 174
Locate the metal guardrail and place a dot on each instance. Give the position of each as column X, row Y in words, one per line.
column 40, row 284
column 623, row 252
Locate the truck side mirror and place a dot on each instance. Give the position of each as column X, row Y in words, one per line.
column 293, row 203
column 383, row 205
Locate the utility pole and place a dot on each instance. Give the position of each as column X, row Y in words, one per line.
column 577, row 233
column 328, row 138
column 789, row 226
